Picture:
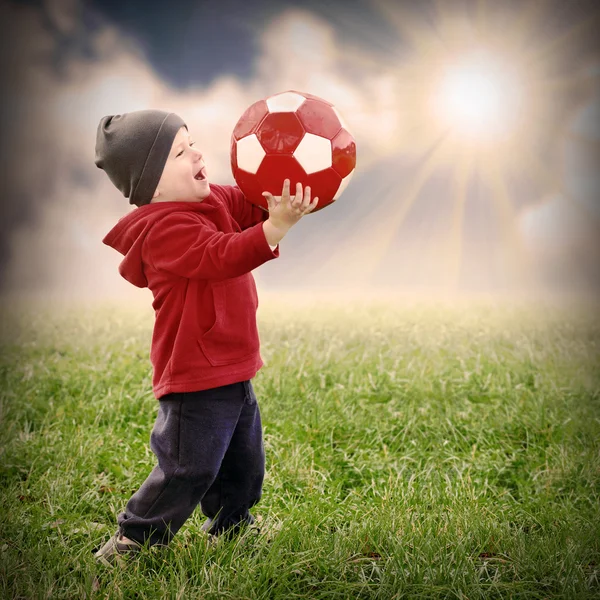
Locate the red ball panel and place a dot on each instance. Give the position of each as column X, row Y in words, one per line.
column 344, row 153
column 318, row 118
column 250, row 119
column 274, row 168
column 324, row 184
column 280, row 133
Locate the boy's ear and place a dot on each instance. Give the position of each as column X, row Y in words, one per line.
column 156, row 193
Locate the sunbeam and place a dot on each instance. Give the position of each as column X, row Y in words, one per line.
column 455, row 233
column 386, row 230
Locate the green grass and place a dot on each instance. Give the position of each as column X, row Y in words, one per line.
column 413, row 451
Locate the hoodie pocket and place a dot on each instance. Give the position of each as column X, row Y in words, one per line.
column 233, row 337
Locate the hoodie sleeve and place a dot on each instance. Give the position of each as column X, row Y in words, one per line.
column 243, row 211
column 181, row 244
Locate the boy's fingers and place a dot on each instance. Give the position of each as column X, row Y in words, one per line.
column 306, row 201
column 313, row 204
column 298, row 196
column 286, row 188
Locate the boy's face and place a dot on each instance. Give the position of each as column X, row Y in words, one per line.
column 178, row 181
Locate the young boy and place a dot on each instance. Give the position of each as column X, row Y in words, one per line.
column 194, row 245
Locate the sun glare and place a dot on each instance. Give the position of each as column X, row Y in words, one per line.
column 476, row 91
column 479, row 98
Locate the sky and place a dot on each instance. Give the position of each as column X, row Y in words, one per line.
column 442, row 199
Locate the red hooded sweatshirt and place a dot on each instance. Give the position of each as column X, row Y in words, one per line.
column 196, row 259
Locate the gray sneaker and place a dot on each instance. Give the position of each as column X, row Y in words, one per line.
column 116, row 549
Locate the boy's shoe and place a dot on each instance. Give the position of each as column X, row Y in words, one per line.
column 116, row 549
column 253, row 527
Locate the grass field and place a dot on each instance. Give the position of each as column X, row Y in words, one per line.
column 413, row 451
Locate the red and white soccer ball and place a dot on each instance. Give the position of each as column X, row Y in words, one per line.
column 295, row 136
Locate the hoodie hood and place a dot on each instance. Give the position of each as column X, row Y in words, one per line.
column 128, row 235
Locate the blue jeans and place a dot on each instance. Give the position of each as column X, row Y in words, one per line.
column 210, row 452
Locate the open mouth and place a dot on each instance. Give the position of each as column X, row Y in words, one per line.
column 201, row 174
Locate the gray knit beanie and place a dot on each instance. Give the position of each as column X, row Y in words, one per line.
column 133, row 148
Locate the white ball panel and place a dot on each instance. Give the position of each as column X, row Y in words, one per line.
column 313, row 153
column 249, row 153
column 343, row 185
column 286, row 102
column 342, row 121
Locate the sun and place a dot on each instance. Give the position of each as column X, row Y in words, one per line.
column 479, row 97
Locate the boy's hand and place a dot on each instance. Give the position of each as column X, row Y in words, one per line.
column 285, row 213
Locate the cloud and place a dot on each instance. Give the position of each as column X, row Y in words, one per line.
column 69, row 204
